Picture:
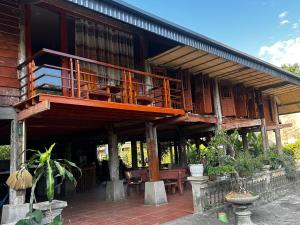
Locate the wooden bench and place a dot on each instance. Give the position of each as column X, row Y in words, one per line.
column 174, row 178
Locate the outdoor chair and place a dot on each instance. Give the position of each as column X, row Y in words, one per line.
column 133, row 181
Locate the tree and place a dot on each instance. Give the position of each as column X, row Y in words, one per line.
column 293, row 68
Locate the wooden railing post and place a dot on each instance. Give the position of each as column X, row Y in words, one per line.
column 130, row 88
column 182, row 94
column 30, row 82
column 78, row 78
column 71, row 77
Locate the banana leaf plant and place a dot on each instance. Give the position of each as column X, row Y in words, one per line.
column 43, row 166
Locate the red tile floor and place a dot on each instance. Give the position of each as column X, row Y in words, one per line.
column 90, row 208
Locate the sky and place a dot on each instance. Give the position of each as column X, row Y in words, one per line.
column 267, row 29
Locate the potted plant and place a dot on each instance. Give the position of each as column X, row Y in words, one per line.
column 195, row 165
column 43, row 166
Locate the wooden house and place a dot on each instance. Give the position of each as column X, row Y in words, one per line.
column 90, row 71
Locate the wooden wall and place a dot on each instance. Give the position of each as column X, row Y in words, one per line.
column 9, row 40
column 227, row 101
column 202, row 95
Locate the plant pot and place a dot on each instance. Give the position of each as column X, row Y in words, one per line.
column 196, row 170
column 56, row 209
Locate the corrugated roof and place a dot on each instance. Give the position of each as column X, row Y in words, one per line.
column 200, row 62
column 132, row 15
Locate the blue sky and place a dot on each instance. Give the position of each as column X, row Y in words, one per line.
column 258, row 27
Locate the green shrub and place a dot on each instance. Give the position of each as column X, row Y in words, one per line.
column 246, row 165
column 4, row 152
column 293, row 149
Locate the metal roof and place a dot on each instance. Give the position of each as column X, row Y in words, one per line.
column 200, row 62
column 139, row 18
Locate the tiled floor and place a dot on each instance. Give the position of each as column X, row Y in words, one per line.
column 91, row 209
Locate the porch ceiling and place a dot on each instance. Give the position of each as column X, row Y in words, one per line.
column 200, row 62
column 49, row 114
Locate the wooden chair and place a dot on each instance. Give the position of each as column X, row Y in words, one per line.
column 133, row 181
column 91, row 86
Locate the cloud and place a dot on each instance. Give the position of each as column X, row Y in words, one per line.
column 283, row 22
column 281, row 52
column 283, row 14
column 295, row 25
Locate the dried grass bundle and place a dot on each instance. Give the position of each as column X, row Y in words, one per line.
column 20, row 180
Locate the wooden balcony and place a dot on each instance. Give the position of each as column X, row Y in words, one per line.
column 64, row 82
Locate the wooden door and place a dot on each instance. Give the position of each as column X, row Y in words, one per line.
column 267, row 111
column 241, row 101
column 202, row 96
column 185, row 78
column 227, row 101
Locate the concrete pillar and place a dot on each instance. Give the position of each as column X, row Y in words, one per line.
column 142, row 154
column 245, row 141
column 155, row 193
column 115, row 187
column 276, row 120
column 217, row 103
column 134, row 160
column 198, row 185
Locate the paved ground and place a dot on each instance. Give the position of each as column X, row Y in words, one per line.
column 90, row 208
column 285, row 211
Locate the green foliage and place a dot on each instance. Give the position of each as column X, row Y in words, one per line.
column 193, row 156
column 4, row 152
column 293, row 149
column 217, row 162
column 219, row 170
column 246, row 165
column 289, row 164
column 45, row 167
column 271, row 158
column 293, row 68
column 255, row 143
column 35, row 218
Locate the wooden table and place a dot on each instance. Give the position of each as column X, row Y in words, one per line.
column 177, row 175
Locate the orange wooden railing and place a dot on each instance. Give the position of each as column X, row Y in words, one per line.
column 58, row 73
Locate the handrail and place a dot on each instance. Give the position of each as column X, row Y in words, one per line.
column 66, row 55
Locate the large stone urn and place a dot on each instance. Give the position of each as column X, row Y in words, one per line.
column 241, row 203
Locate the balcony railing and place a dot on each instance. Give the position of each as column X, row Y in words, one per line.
column 57, row 73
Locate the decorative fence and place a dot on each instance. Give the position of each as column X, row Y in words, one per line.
column 270, row 185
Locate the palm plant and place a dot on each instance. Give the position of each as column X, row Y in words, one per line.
column 44, row 166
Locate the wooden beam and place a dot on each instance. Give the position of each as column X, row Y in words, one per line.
column 263, row 127
column 217, row 103
column 152, row 148
column 110, row 105
column 279, row 126
column 113, row 155
column 34, row 110
column 236, row 124
column 276, row 85
column 134, row 160
column 275, row 117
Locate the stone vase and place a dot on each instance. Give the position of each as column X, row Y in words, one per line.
column 56, row 207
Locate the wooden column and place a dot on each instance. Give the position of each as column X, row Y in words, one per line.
column 245, row 141
column 113, row 155
column 217, row 103
column 182, row 150
column 152, row 148
column 263, row 126
column 176, row 158
column 134, row 161
column 17, row 156
column 276, row 120
column 171, row 152
column 142, row 154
